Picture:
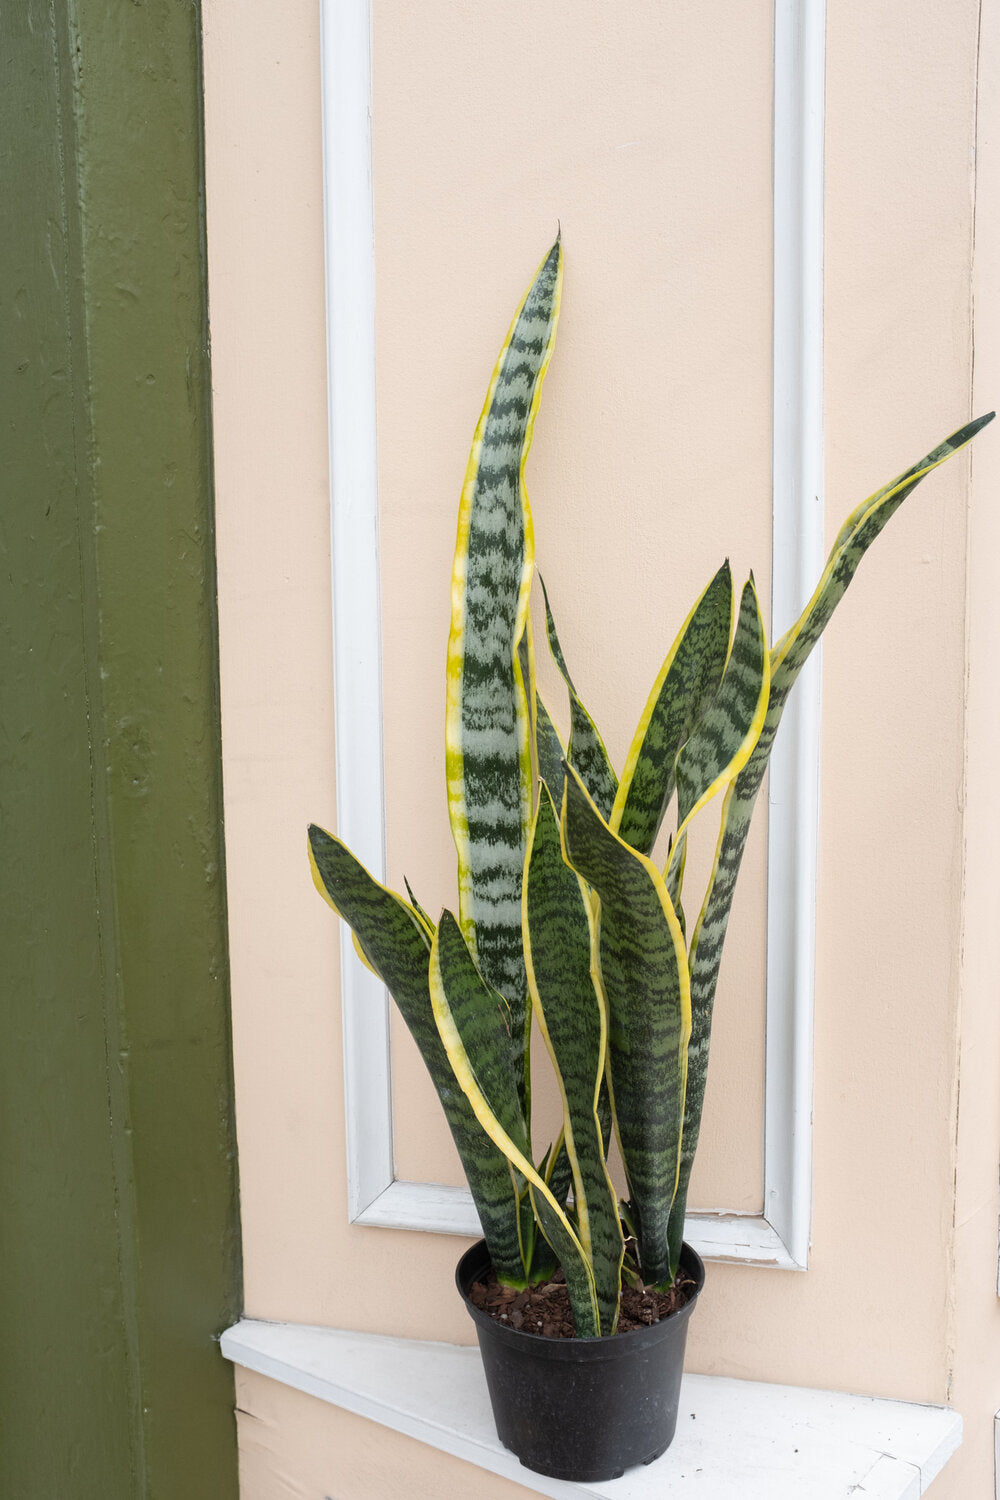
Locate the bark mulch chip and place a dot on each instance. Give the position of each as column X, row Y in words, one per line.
column 545, row 1309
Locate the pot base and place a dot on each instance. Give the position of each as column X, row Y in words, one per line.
column 575, row 1478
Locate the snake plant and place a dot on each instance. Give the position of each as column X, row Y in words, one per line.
column 564, row 916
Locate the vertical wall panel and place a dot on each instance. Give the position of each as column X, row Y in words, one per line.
column 119, row 1230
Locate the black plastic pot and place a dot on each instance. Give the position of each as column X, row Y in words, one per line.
column 583, row 1409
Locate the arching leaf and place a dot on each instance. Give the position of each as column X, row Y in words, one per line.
column 394, row 943
column 788, row 656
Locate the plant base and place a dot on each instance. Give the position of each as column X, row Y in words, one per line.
column 583, row 1409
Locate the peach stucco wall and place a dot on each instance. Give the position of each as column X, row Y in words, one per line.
column 645, row 129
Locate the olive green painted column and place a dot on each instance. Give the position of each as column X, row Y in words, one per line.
column 119, row 1237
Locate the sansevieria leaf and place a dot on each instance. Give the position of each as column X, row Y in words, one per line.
column 559, row 939
column 673, row 877
column 643, row 966
column 481, row 1017
column 586, row 748
column 549, row 749
column 686, row 684
column 788, row 655
column 727, row 731
column 488, row 729
column 425, row 919
column 558, row 1173
column 395, row 945
column 459, row 996
column 551, row 752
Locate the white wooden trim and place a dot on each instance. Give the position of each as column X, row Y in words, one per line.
column 736, row 1439
column 996, row 1454
column 798, row 556
column 449, row 1210
column 357, row 639
column 781, row 1236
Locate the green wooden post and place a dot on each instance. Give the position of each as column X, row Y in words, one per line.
column 119, row 1241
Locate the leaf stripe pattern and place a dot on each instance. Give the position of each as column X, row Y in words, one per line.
column 559, row 940
column 559, row 1173
column 587, row 751
column 643, row 967
column 725, row 738
column 673, row 877
column 788, row 655
column 551, row 752
column 481, row 1015
column 425, row 920
column 457, row 996
column 686, row 685
column 729, row 728
column 396, row 949
column 488, row 752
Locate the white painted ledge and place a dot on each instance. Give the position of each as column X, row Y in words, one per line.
column 736, row 1439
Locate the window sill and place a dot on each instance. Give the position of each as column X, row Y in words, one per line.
column 736, row 1439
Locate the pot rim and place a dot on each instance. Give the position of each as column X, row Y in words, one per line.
column 618, row 1345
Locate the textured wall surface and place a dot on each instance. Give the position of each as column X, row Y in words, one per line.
column 119, row 1231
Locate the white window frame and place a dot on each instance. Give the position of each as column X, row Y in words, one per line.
column 780, row 1236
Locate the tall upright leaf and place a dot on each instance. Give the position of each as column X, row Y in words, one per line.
column 788, row 656
column 395, row 945
column 549, row 751
column 643, row 966
column 586, row 750
column 724, row 738
column 559, row 939
column 460, row 997
column 686, row 684
column 488, row 751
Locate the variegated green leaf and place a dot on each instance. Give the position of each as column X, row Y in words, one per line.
column 395, row 945
column 727, row 731
column 687, row 683
column 461, row 999
column 548, row 1161
column 558, row 1173
column 553, row 1166
column 551, row 752
column 673, row 877
column 425, row 919
column 788, row 656
column 586, row 748
column 643, row 966
column 549, row 749
column 482, row 1018
column 488, row 751
column 558, row 942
